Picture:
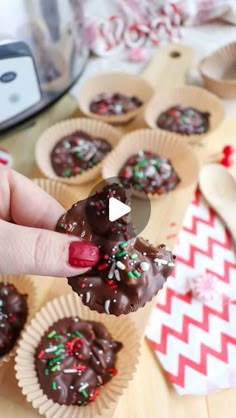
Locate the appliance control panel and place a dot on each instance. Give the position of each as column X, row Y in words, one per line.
column 19, row 85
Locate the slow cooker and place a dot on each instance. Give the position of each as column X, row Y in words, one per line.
column 43, row 50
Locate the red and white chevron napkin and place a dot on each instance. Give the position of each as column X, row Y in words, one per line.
column 192, row 329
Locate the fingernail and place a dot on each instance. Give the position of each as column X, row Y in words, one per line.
column 83, row 254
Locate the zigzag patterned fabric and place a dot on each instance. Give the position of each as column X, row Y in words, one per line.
column 195, row 339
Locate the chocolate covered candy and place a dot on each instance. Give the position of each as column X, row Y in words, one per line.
column 130, row 271
column 150, row 173
column 78, row 152
column 13, row 315
column 74, row 358
column 184, row 120
column 114, row 104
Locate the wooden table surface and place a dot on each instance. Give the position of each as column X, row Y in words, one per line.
column 149, row 394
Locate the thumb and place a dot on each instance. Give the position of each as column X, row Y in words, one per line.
column 38, row 251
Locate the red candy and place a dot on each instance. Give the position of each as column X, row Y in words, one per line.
column 226, row 161
column 228, row 150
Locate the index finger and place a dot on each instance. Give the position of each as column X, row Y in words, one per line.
column 24, row 203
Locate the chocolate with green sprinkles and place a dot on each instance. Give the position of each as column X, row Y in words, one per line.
column 87, row 361
column 77, row 153
column 149, row 173
column 129, row 272
column 184, row 120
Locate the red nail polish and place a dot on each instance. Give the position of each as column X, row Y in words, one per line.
column 83, row 254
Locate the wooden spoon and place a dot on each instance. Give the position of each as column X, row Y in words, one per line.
column 219, row 189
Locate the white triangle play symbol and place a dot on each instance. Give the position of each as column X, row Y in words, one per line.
column 117, row 209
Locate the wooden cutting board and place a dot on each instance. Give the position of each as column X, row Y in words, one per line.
column 149, row 395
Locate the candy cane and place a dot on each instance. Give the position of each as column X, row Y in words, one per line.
column 138, row 30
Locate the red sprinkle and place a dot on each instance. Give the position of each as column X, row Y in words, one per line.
column 93, row 395
column 102, row 266
column 40, row 354
column 113, row 372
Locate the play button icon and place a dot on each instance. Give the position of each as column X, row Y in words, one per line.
column 117, row 209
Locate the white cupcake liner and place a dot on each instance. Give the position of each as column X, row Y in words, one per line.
column 127, row 358
column 51, row 136
column 115, row 82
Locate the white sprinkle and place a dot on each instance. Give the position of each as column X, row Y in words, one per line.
column 117, row 275
column 70, row 371
column 72, row 387
column 144, row 254
column 76, row 319
column 171, row 264
column 82, row 235
column 111, row 272
column 140, row 153
column 107, row 306
column 51, row 349
column 83, row 387
column 100, row 380
column 114, row 300
column 90, row 284
column 160, row 261
column 144, row 266
column 120, row 265
column 87, row 297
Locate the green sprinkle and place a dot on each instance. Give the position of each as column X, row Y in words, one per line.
column 54, row 368
column 130, row 275
column 136, row 273
column 63, row 226
column 51, row 334
column 124, row 244
column 66, row 173
column 121, row 254
column 54, row 385
column 84, row 403
column 134, row 256
column 46, row 372
column 58, row 351
column 79, row 334
column 140, row 164
column 55, row 360
column 84, row 393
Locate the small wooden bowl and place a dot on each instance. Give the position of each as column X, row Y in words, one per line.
column 180, row 154
column 131, row 85
column 188, row 96
column 218, row 71
column 51, row 136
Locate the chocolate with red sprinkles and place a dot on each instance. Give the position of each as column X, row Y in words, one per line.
column 78, row 152
column 130, row 271
column 73, row 359
column 13, row 315
column 114, row 104
column 184, row 120
column 150, row 173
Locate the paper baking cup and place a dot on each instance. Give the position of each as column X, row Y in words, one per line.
column 62, row 193
column 218, row 71
column 180, row 154
column 128, row 84
column 127, row 358
column 25, row 286
column 187, row 96
column 51, row 136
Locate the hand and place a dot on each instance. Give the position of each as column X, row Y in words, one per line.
column 28, row 243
